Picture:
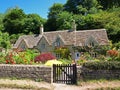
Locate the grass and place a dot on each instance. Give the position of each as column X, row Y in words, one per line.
column 24, row 84
column 108, row 88
column 102, row 84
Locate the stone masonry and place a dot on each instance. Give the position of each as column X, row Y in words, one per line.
column 45, row 73
column 87, row 74
column 26, row 71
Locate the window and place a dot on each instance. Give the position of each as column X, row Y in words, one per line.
column 93, row 54
column 23, row 47
column 77, row 55
column 43, row 46
column 58, row 55
column 57, row 43
column 92, row 44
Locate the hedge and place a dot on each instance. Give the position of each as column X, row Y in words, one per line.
column 105, row 65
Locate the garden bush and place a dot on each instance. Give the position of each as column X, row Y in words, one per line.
column 43, row 57
column 114, row 55
column 104, row 65
column 65, row 61
column 16, row 57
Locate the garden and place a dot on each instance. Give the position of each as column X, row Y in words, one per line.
column 33, row 57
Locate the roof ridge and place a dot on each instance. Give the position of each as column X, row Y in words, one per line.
column 77, row 30
column 91, row 30
column 56, row 31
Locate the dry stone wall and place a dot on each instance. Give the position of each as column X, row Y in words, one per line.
column 26, row 71
column 87, row 74
column 37, row 72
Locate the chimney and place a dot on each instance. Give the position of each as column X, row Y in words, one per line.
column 73, row 25
column 41, row 29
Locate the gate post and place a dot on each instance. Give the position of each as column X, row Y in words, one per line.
column 74, row 74
column 54, row 73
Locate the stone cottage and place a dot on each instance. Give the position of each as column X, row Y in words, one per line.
column 47, row 41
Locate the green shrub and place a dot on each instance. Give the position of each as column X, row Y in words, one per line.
column 65, row 61
column 16, row 57
column 106, row 65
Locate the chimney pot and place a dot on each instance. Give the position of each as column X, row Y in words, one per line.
column 74, row 25
column 41, row 29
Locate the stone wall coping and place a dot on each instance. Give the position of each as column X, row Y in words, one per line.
column 22, row 65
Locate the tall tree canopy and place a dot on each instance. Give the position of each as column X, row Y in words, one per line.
column 82, row 6
column 13, row 21
column 54, row 10
column 16, row 21
column 32, row 23
column 1, row 23
column 109, row 3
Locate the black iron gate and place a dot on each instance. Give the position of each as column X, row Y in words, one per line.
column 65, row 74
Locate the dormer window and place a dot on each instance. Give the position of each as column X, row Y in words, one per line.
column 57, row 43
column 43, row 46
column 92, row 44
column 23, row 47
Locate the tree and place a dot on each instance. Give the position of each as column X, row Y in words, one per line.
column 13, row 21
column 1, row 23
column 107, row 4
column 32, row 23
column 64, row 20
column 82, row 6
column 16, row 21
column 54, row 10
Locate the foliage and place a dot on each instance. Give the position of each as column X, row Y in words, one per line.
column 43, row 57
column 106, row 65
column 14, row 38
column 32, row 23
column 16, row 57
column 109, row 3
column 65, row 61
column 64, row 20
column 13, row 21
column 114, row 55
column 1, row 23
column 54, row 10
column 2, row 58
column 82, row 6
column 4, row 40
column 16, row 21
column 117, row 45
column 63, row 51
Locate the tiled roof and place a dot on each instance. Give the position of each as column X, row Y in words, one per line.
column 30, row 40
column 76, row 38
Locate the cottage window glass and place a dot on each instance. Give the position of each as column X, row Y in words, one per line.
column 92, row 44
column 23, row 47
column 58, row 55
column 43, row 46
column 57, row 43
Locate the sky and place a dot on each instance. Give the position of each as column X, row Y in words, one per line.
column 40, row 7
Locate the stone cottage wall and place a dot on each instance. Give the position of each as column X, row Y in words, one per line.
column 26, row 71
column 87, row 74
